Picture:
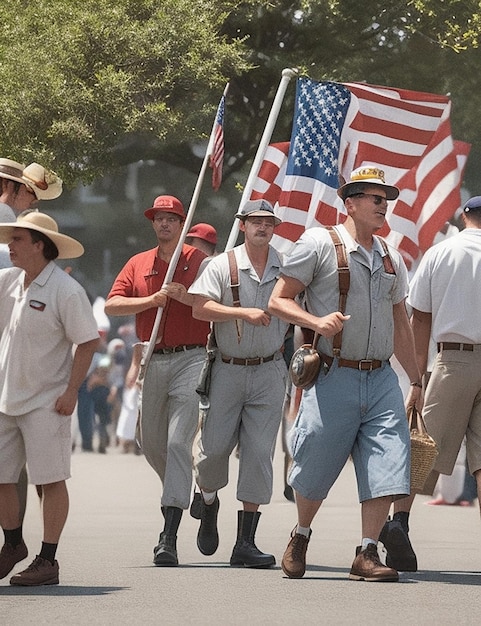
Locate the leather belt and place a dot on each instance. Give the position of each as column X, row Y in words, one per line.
column 365, row 365
column 254, row 361
column 191, row 346
column 447, row 345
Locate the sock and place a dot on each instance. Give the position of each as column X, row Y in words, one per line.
column 13, row 537
column 366, row 541
column 209, row 497
column 48, row 551
column 301, row 530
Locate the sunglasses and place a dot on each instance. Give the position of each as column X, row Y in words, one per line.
column 376, row 199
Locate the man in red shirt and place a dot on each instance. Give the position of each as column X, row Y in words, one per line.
column 169, row 405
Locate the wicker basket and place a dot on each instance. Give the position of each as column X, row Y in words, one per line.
column 423, row 450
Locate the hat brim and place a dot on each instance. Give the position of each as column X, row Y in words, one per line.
column 391, row 192
column 149, row 213
column 68, row 247
column 17, row 179
column 243, row 216
column 53, row 191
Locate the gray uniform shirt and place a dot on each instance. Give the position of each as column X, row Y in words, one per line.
column 214, row 283
column 369, row 334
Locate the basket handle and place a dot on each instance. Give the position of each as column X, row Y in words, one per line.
column 416, row 421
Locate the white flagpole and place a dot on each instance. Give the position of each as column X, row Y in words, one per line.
column 287, row 74
column 178, row 249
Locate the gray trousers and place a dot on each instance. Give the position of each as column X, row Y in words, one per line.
column 169, row 420
column 245, row 409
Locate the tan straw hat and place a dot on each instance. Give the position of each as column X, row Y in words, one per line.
column 11, row 170
column 68, row 248
column 45, row 184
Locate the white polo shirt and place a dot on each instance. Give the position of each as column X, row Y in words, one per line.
column 447, row 284
column 38, row 326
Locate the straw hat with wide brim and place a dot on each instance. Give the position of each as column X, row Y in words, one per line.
column 68, row 248
column 44, row 183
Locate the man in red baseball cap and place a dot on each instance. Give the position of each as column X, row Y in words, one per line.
column 204, row 237
column 169, row 406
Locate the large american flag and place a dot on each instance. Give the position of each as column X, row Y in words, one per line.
column 217, row 156
column 339, row 127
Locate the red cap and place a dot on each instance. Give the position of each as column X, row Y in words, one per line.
column 204, row 231
column 169, row 204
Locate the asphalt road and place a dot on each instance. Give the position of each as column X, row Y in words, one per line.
column 107, row 575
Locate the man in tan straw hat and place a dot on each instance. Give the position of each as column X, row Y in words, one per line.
column 44, row 312
column 20, row 189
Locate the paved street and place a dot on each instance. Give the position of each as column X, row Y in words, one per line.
column 107, row 576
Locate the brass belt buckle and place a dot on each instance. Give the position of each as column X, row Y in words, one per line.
column 368, row 362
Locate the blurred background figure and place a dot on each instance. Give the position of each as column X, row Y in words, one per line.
column 129, row 412
column 204, row 237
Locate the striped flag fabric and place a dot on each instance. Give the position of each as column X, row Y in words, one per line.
column 339, row 127
column 217, row 155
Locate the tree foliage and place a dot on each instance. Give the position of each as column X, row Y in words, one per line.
column 81, row 78
column 87, row 86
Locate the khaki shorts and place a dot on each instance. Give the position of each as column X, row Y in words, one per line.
column 452, row 407
column 40, row 438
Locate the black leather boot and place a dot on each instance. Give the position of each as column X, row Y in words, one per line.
column 165, row 552
column 208, row 535
column 395, row 537
column 245, row 551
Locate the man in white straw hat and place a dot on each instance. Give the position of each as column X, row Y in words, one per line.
column 20, row 189
column 355, row 406
column 44, row 312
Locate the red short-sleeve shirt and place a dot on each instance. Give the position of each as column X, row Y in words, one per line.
column 142, row 276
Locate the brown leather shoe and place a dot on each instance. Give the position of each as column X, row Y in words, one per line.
column 294, row 560
column 9, row 556
column 367, row 566
column 39, row 572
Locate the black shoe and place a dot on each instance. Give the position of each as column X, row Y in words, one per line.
column 400, row 553
column 208, row 535
column 195, row 506
column 247, row 554
column 289, row 493
column 165, row 552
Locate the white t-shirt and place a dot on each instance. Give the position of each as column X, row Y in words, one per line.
column 447, row 284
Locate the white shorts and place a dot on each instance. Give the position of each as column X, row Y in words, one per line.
column 42, row 439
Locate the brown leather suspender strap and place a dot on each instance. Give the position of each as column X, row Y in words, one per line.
column 344, row 283
column 234, row 285
column 386, row 259
column 234, row 277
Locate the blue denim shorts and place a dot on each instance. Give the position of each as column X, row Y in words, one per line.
column 358, row 413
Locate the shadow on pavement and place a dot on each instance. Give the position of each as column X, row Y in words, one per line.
column 59, row 590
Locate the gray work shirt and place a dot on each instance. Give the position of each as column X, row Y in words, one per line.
column 369, row 334
column 214, row 283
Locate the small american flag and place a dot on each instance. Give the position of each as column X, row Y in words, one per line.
column 217, row 156
column 339, row 127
